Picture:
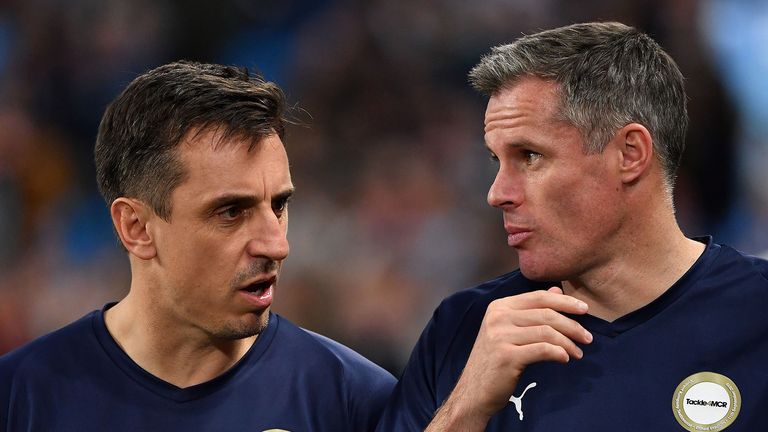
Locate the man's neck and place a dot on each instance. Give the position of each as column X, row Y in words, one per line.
column 637, row 275
column 180, row 356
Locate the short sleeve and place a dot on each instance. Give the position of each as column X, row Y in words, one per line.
column 414, row 400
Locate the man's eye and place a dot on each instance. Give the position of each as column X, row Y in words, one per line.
column 231, row 213
column 279, row 206
column 531, row 156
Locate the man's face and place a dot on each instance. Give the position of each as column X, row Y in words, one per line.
column 219, row 257
column 562, row 208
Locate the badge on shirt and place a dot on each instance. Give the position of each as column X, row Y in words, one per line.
column 706, row 401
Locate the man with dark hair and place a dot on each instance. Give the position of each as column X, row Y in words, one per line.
column 615, row 320
column 191, row 163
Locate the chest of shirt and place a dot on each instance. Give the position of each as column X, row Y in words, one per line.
column 658, row 376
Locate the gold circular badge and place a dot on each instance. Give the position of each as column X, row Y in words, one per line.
column 706, row 401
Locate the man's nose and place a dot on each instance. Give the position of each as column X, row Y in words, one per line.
column 269, row 237
column 506, row 190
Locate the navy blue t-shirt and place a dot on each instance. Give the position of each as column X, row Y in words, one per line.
column 79, row 379
column 700, row 349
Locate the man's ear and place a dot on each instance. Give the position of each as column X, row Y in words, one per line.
column 130, row 218
column 636, row 150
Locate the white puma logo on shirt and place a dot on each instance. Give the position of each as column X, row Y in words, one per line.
column 518, row 401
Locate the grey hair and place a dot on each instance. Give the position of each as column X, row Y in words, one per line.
column 608, row 74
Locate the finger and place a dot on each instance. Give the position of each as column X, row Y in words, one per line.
column 548, row 317
column 508, row 311
column 522, row 336
column 547, row 299
column 541, row 351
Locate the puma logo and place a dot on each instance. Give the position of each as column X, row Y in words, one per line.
column 518, row 401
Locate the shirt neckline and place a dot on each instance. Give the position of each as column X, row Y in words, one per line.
column 166, row 389
column 633, row 319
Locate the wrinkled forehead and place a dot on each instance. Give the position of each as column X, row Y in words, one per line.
column 525, row 97
column 214, row 157
column 232, row 169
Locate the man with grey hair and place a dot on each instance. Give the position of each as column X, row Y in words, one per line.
column 615, row 319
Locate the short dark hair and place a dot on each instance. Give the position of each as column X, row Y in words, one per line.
column 135, row 150
column 609, row 75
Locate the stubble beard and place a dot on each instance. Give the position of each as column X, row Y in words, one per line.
column 232, row 332
column 242, row 330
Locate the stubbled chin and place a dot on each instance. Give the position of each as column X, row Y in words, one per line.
column 536, row 270
column 533, row 275
column 253, row 326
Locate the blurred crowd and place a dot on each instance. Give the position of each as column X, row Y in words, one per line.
column 390, row 169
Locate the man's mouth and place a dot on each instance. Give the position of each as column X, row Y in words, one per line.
column 260, row 287
column 259, row 293
column 516, row 235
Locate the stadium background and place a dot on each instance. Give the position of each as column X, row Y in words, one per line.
column 391, row 174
